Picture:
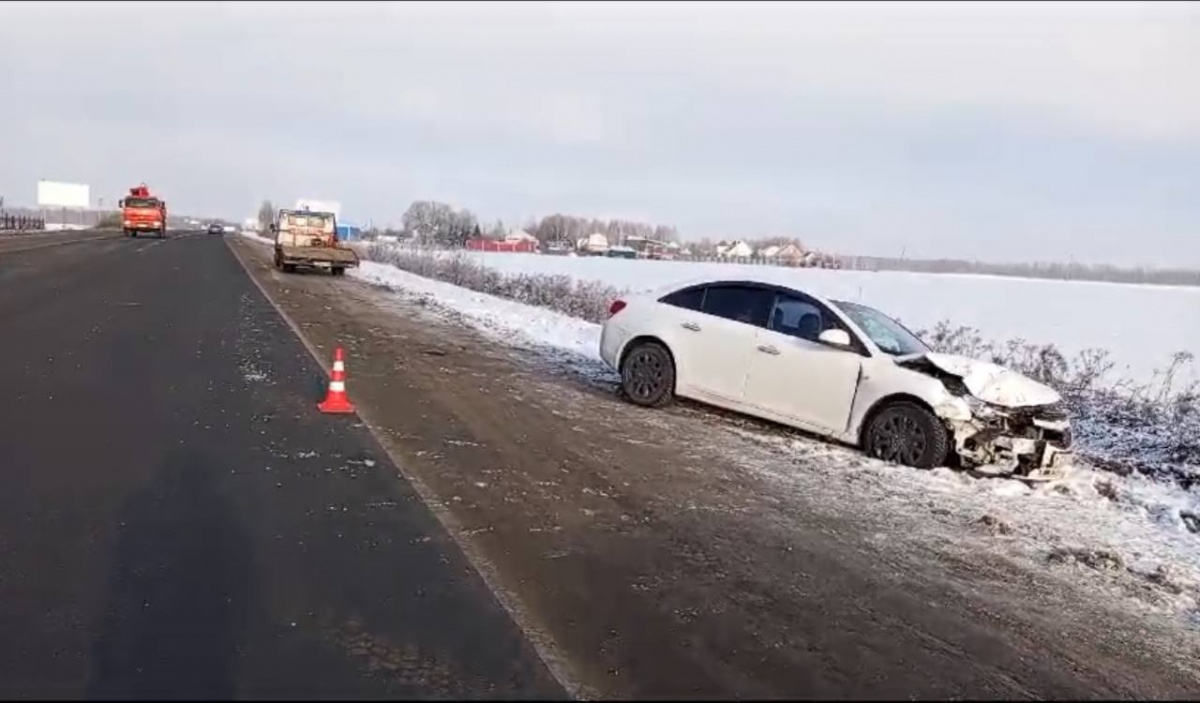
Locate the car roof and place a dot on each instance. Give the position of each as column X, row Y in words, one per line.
column 735, row 280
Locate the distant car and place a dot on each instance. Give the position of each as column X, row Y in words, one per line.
column 839, row 369
column 216, row 228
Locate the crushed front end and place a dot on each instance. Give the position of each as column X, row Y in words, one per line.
column 1033, row 443
column 1001, row 423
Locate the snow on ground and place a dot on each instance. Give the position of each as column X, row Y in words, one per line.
column 1128, row 534
column 1140, row 325
column 255, row 236
column 500, row 318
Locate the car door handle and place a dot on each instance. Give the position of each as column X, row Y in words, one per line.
column 691, row 326
column 766, row 349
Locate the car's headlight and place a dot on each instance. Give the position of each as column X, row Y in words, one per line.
column 981, row 409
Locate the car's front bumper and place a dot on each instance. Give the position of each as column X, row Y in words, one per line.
column 1017, row 443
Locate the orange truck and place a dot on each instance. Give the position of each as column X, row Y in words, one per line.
column 142, row 212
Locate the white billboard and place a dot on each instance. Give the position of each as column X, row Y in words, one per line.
column 55, row 194
column 320, row 206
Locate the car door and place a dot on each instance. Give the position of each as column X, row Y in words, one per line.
column 716, row 342
column 794, row 376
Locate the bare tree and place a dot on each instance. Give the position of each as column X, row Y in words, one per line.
column 497, row 230
column 433, row 223
column 266, row 215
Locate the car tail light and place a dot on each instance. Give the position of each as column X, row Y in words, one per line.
column 616, row 307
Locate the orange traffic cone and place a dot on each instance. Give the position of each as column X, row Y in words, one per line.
column 336, row 400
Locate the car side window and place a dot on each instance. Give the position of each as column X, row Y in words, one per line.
column 796, row 317
column 746, row 304
column 806, row 319
column 688, row 298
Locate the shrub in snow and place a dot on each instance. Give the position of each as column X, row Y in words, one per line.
column 1151, row 428
column 587, row 300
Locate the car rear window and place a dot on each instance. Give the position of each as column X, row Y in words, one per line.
column 688, row 298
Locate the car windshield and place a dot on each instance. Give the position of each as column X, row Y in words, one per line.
column 141, row 202
column 307, row 219
column 890, row 336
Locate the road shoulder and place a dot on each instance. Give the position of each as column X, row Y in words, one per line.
column 642, row 564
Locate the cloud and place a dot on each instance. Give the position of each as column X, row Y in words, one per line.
column 963, row 124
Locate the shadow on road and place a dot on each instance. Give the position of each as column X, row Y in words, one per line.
column 181, row 589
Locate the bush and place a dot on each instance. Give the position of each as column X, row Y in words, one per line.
column 1152, row 428
column 587, row 300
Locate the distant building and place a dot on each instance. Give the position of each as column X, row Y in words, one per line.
column 789, row 255
column 738, row 250
column 348, row 232
column 512, row 246
column 594, row 243
column 519, row 235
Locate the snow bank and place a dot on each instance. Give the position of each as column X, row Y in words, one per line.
column 502, row 319
column 256, row 237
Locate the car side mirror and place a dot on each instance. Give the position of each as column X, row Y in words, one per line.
column 121, row 203
column 272, row 227
column 835, row 338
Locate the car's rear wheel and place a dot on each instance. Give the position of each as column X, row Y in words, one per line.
column 908, row 434
column 648, row 375
column 338, row 271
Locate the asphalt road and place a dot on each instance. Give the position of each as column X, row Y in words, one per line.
column 176, row 518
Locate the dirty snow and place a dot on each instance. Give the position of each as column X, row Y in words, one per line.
column 1130, row 536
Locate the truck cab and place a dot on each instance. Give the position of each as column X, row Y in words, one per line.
column 142, row 212
column 306, row 238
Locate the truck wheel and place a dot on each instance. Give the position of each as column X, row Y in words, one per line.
column 289, row 268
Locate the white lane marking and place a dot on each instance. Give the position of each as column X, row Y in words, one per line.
column 139, row 250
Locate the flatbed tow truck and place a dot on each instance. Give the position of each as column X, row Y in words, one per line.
column 308, row 239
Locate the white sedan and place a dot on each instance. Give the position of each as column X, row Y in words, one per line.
column 838, row 369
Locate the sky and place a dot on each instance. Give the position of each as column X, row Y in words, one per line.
column 1002, row 131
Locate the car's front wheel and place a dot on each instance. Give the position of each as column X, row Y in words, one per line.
column 906, row 433
column 648, row 375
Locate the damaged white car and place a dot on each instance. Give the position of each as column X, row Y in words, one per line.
column 839, row 369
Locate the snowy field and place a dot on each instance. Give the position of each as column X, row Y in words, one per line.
column 1129, row 535
column 1141, row 326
